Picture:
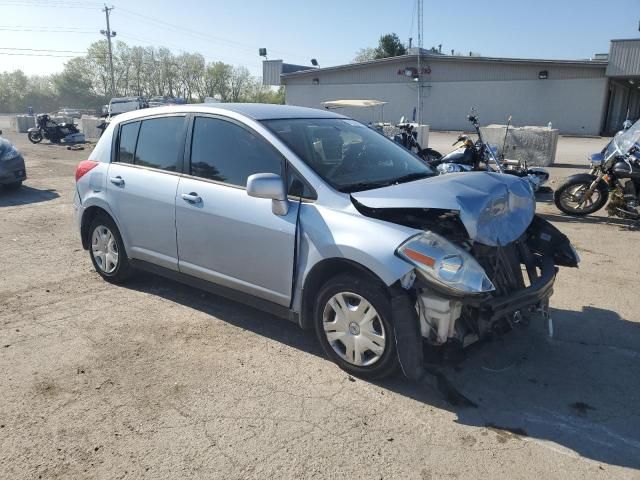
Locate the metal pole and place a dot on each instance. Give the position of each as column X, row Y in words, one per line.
column 109, row 35
column 419, row 6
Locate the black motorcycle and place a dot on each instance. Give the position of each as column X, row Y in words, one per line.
column 408, row 138
column 481, row 156
column 614, row 176
column 52, row 131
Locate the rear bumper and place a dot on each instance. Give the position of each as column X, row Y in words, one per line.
column 12, row 171
column 78, row 211
column 496, row 308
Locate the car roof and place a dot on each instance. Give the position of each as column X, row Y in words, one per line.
column 255, row 111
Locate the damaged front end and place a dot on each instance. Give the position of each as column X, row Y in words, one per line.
column 480, row 268
column 521, row 273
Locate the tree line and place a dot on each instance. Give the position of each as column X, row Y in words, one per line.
column 85, row 81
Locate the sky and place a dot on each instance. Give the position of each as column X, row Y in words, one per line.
column 332, row 31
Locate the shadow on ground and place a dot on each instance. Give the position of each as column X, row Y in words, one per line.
column 25, row 195
column 576, row 392
column 562, row 218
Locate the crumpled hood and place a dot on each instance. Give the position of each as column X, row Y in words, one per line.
column 494, row 208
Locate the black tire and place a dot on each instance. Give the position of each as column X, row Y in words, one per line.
column 34, row 137
column 374, row 292
column 13, row 185
column 561, row 194
column 429, row 155
column 123, row 269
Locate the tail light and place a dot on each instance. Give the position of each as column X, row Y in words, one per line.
column 84, row 167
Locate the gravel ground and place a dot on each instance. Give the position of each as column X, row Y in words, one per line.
column 158, row 380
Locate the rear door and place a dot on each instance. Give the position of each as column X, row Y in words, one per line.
column 225, row 236
column 142, row 183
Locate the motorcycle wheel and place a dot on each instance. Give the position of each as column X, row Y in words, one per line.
column 568, row 198
column 34, row 137
column 429, row 155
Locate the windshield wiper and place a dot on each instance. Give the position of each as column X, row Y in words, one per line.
column 357, row 187
column 410, row 177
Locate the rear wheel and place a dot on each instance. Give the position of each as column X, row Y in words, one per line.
column 107, row 251
column 570, row 198
column 429, row 155
column 352, row 319
column 35, row 137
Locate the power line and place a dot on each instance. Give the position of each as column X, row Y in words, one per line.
column 45, row 30
column 42, row 50
column 37, row 55
column 44, row 4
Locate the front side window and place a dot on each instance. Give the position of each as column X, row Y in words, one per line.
column 347, row 154
column 225, row 152
column 128, row 138
column 160, row 143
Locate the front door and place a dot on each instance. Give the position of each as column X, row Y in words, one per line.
column 224, row 235
column 141, row 187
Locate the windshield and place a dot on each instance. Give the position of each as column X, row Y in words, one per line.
column 348, row 155
column 623, row 141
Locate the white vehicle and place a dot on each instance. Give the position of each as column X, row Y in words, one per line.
column 126, row 104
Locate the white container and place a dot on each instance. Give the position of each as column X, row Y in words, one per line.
column 89, row 126
column 22, row 123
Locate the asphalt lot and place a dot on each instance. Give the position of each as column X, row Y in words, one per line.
column 158, row 380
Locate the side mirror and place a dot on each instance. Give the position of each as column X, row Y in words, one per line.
column 269, row 185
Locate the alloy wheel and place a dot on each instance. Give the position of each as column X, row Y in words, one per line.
column 354, row 329
column 573, row 198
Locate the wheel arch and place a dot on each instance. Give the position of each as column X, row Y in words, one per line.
column 319, row 274
column 87, row 217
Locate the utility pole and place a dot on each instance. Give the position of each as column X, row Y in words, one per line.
column 109, row 34
column 419, row 79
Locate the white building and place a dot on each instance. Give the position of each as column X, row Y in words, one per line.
column 577, row 96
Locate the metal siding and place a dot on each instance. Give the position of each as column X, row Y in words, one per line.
column 446, row 71
column 271, row 70
column 572, row 105
column 624, row 58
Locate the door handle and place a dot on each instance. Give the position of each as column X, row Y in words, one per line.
column 191, row 197
column 117, row 180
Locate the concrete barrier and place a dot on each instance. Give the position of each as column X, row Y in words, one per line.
column 22, row 123
column 534, row 145
column 88, row 126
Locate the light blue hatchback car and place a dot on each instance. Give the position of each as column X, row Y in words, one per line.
column 317, row 218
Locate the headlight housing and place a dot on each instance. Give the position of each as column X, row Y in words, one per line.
column 450, row 267
column 8, row 152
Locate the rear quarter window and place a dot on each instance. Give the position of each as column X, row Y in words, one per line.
column 102, row 150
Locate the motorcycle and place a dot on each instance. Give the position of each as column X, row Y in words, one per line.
column 614, row 177
column 408, row 138
column 52, row 131
column 479, row 156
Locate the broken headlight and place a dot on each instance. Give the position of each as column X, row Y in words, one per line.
column 439, row 261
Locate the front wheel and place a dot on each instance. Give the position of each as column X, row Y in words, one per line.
column 352, row 318
column 570, row 197
column 35, row 137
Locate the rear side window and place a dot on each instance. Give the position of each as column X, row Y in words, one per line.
column 225, row 152
column 128, row 137
column 159, row 143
